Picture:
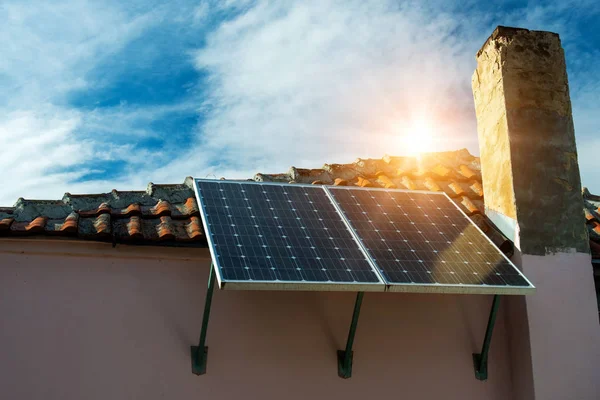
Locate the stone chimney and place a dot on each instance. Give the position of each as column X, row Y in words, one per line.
column 527, row 141
column 532, row 191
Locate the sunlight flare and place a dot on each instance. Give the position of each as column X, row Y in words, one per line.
column 417, row 137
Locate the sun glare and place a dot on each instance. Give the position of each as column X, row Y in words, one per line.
column 416, row 138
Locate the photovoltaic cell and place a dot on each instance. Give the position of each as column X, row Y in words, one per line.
column 423, row 239
column 264, row 233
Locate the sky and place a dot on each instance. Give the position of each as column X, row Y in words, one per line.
column 96, row 96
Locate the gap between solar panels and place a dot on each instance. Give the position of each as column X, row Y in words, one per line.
column 269, row 236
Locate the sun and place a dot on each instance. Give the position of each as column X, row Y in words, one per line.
column 416, row 137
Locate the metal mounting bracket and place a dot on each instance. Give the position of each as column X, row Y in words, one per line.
column 345, row 356
column 480, row 359
column 200, row 353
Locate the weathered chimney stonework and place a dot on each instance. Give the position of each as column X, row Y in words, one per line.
column 532, row 191
column 527, row 141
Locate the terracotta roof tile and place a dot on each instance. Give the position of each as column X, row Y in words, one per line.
column 477, row 188
column 592, row 203
column 455, row 189
column 160, row 213
column 5, row 223
column 134, row 227
column 595, row 250
column 588, row 215
column 189, row 207
column 384, row 181
column 162, row 207
column 101, row 224
column 405, row 171
column 470, row 206
column 165, row 229
column 342, row 171
column 303, row 175
column 103, row 208
column 479, row 204
column 362, row 182
column 64, row 226
column 441, row 170
column 431, row 185
column 169, row 213
column 194, row 228
column 595, row 226
column 467, row 172
column 369, row 167
column 408, row 183
column 132, row 209
column 283, row 178
column 35, row 226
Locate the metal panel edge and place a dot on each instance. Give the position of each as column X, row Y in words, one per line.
column 304, row 286
column 316, row 186
column 357, row 239
column 211, row 246
column 231, row 182
column 459, row 289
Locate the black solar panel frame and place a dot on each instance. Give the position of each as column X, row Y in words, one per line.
column 287, row 285
column 437, row 287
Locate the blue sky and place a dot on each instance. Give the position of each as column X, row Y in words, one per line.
column 103, row 95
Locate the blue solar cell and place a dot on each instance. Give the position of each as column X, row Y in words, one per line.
column 424, row 239
column 279, row 234
column 333, row 238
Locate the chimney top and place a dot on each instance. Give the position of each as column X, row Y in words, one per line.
column 507, row 32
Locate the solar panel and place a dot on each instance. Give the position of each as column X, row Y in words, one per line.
column 422, row 242
column 267, row 236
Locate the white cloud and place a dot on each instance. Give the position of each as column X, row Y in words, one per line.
column 201, row 13
column 47, row 50
column 32, row 158
column 287, row 83
column 307, row 83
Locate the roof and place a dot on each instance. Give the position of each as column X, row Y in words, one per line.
column 592, row 216
column 169, row 215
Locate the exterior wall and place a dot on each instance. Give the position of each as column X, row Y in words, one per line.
column 85, row 320
column 561, row 342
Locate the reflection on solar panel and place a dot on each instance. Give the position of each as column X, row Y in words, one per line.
column 422, row 242
column 265, row 236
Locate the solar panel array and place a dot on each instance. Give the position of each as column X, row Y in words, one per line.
column 342, row 238
column 423, row 238
column 280, row 234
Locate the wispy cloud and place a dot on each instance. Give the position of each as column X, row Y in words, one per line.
column 330, row 81
column 47, row 50
column 102, row 95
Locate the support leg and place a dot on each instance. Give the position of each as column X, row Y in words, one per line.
column 480, row 359
column 200, row 352
column 345, row 356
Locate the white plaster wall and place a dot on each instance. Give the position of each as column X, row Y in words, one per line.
column 104, row 323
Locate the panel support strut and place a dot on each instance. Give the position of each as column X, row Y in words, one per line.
column 199, row 353
column 345, row 356
column 480, row 359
